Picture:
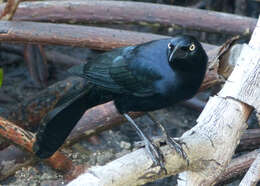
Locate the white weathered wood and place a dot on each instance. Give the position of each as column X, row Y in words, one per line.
column 209, row 145
column 242, row 87
column 252, row 176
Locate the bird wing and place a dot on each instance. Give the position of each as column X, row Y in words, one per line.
column 119, row 71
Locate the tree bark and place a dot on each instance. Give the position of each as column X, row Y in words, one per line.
column 134, row 12
column 74, row 35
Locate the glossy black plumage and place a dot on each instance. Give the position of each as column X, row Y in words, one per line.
column 146, row 77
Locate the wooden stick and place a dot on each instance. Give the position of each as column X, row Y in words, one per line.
column 82, row 36
column 134, row 12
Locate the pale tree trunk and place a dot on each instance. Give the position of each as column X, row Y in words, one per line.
column 209, row 145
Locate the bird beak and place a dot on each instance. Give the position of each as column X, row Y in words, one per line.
column 177, row 53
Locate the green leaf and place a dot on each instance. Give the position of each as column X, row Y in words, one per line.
column 1, row 76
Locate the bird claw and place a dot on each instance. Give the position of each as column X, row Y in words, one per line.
column 156, row 155
column 176, row 144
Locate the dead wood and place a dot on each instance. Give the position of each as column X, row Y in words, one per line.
column 134, row 12
column 237, row 167
column 36, row 60
column 25, row 139
column 252, row 176
column 9, row 10
column 51, row 55
column 74, row 35
column 250, row 140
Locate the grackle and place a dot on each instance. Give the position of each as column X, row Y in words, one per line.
column 145, row 77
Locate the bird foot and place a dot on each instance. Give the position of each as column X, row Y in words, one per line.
column 156, row 155
column 177, row 145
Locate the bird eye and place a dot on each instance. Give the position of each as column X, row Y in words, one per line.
column 192, row 47
column 170, row 46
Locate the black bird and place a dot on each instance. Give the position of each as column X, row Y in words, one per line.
column 145, row 77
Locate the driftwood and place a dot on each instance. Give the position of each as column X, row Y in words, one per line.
column 209, row 145
column 134, row 12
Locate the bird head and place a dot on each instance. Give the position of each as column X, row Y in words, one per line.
column 186, row 53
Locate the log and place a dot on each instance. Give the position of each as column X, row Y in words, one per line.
column 82, row 36
column 133, row 12
column 219, row 129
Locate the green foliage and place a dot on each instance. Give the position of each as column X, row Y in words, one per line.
column 1, row 76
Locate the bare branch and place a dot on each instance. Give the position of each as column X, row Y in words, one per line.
column 252, row 176
column 9, row 9
column 134, row 12
column 82, row 36
column 237, row 167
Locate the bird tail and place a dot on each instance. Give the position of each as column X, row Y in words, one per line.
column 58, row 123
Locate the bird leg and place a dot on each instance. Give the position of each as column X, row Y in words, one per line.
column 152, row 149
column 174, row 143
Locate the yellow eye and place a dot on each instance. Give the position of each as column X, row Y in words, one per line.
column 192, row 47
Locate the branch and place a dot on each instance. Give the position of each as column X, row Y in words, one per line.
column 25, row 139
column 252, row 176
column 82, row 36
column 51, row 55
column 9, row 9
column 134, row 12
column 237, row 167
column 249, row 141
column 219, row 129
